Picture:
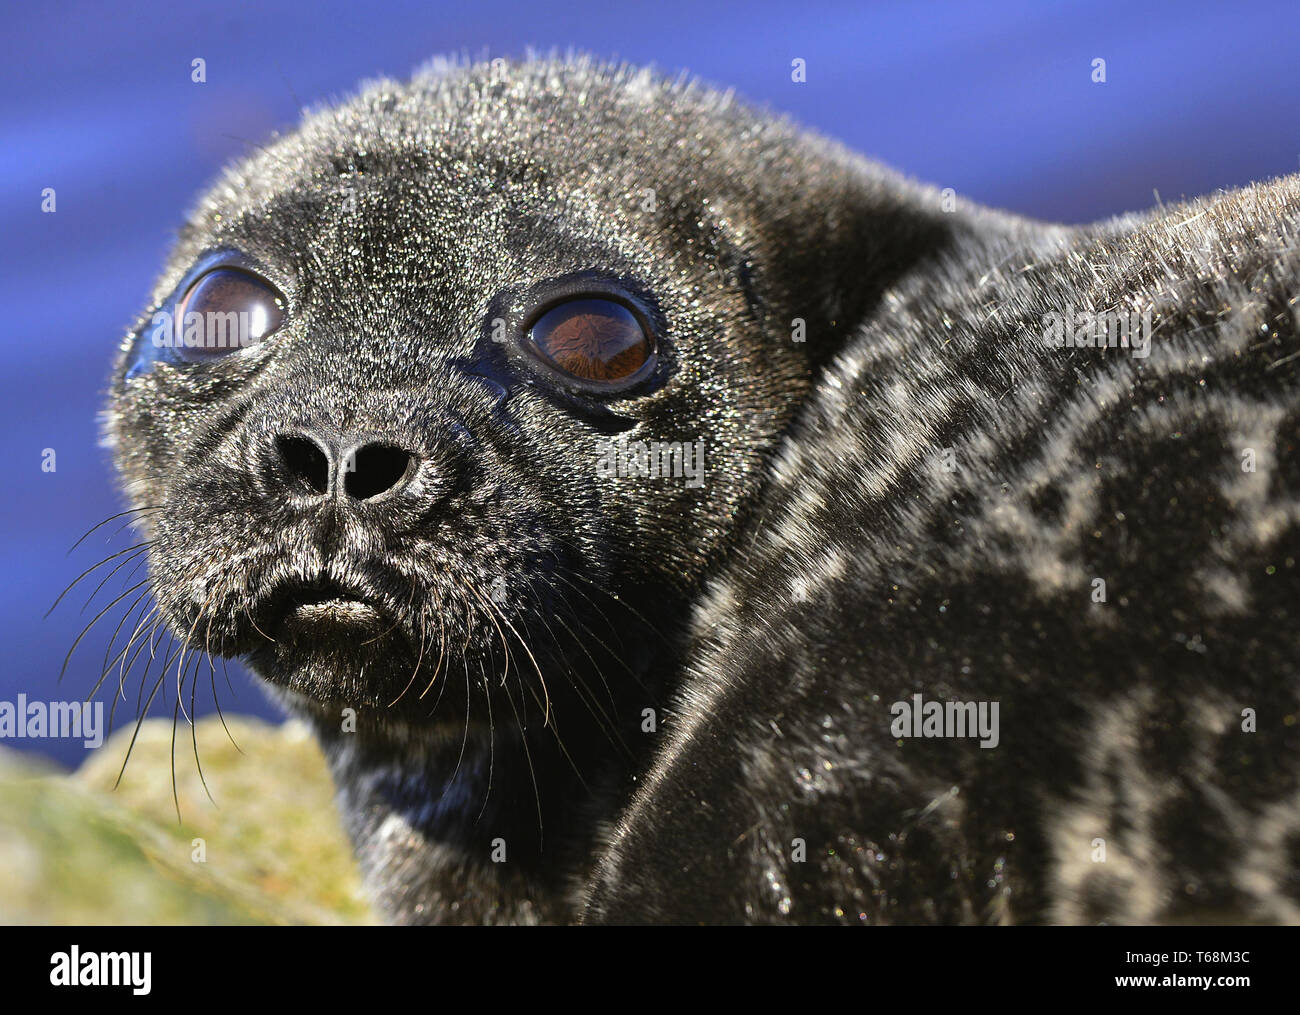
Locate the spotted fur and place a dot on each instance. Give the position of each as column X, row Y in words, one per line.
column 907, row 492
column 1124, row 787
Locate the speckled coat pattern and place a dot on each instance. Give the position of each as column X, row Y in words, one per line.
column 876, row 573
column 909, row 491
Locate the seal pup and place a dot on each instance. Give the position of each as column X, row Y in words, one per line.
column 513, row 344
column 617, row 478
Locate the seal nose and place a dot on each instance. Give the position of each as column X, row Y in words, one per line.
column 364, row 471
column 304, row 461
column 373, row 469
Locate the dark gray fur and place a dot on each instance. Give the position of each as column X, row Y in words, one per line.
column 403, row 222
column 875, row 574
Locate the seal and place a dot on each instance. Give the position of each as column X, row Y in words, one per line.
column 557, row 439
column 387, row 394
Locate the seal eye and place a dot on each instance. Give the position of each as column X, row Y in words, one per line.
column 592, row 339
column 225, row 310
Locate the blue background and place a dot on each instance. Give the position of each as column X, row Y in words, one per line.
column 994, row 100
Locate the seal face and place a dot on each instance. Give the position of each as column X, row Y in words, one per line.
column 378, row 400
column 399, row 458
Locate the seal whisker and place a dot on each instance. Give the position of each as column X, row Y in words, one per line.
column 492, row 608
column 442, row 652
column 619, row 601
column 250, row 619
column 93, row 567
column 616, row 656
column 168, row 656
column 85, row 630
column 588, row 697
column 194, row 726
column 492, row 741
column 584, row 692
column 397, row 622
column 212, row 677
column 162, row 676
column 185, row 660
column 150, row 620
column 418, row 660
column 121, row 514
column 488, row 610
column 528, row 757
column 137, row 557
column 106, row 664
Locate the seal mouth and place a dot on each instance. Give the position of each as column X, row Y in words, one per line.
column 320, row 608
column 336, row 612
column 344, row 637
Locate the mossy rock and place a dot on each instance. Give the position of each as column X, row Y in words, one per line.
column 75, row 850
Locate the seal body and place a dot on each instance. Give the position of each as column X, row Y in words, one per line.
column 606, row 460
column 1094, row 546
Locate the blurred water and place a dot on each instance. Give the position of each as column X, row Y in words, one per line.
column 994, row 100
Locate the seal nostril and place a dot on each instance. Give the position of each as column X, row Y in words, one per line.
column 375, row 469
column 305, row 462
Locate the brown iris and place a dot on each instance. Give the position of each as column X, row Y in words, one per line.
column 592, row 339
column 226, row 310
